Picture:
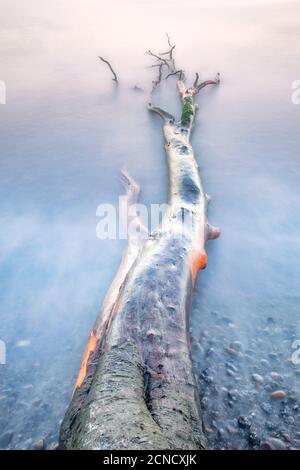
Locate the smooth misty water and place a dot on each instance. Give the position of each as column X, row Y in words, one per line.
column 65, row 134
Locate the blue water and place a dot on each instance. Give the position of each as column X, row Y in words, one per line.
column 66, row 132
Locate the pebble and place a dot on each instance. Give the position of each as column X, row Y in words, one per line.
column 231, row 366
column 204, row 402
column 243, row 422
column 23, row 343
column 231, row 429
column 253, row 439
column 236, row 345
column 290, row 420
column 270, row 426
column 275, row 376
column 266, row 446
column 233, row 395
column 39, row 444
column 266, row 407
column 257, row 378
column 265, row 363
column 276, row 444
column 230, row 373
column 231, row 351
column 27, row 386
column 278, row 395
column 273, row 356
column 287, row 437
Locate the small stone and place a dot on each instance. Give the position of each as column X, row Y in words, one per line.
column 231, row 429
column 275, row 376
column 266, row 446
column 265, row 363
column 267, row 408
column 233, row 395
column 257, row 378
column 204, row 402
column 278, row 395
column 253, row 439
column 27, row 386
column 23, row 343
column 231, row 366
column 290, row 420
column 243, row 422
column 39, row 444
column 230, row 373
column 276, row 444
column 6, row 438
column 271, row 426
column 236, row 345
column 269, row 388
column 286, row 437
column 208, row 429
column 231, row 351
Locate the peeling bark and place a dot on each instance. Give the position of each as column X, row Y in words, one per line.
column 138, row 390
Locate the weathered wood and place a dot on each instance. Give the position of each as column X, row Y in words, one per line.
column 136, row 388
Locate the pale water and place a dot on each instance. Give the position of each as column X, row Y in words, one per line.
column 66, row 132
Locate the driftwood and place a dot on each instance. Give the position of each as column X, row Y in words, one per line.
column 136, row 388
column 115, row 78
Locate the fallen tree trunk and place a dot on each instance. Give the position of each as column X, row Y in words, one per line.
column 136, row 388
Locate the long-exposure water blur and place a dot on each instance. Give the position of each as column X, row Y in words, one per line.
column 67, row 131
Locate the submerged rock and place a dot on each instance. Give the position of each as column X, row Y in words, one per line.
column 266, row 446
column 276, row 444
column 278, row 395
column 231, row 351
column 39, row 444
column 257, row 378
column 275, row 376
column 244, row 422
column 23, row 343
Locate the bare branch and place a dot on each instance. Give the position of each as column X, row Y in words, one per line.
column 110, row 67
column 168, row 61
column 177, row 72
column 216, row 81
column 194, row 90
column 161, row 112
column 169, row 40
column 159, row 77
column 169, row 52
column 164, row 61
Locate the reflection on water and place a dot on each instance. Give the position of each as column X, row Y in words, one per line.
column 65, row 134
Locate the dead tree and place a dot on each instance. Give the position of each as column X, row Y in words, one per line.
column 136, row 388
